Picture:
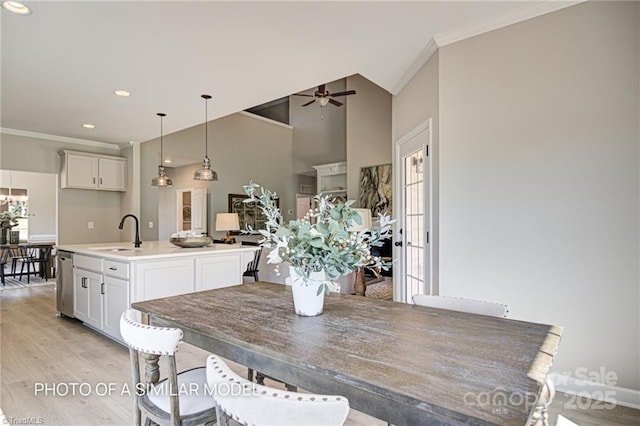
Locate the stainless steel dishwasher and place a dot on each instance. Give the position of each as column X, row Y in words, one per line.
column 64, row 283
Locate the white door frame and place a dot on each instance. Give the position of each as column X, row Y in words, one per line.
column 398, row 208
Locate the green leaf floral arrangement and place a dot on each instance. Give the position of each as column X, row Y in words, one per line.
column 8, row 219
column 322, row 239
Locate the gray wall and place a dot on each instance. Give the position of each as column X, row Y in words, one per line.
column 368, row 128
column 319, row 132
column 417, row 102
column 76, row 207
column 539, row 167
column 242, row 148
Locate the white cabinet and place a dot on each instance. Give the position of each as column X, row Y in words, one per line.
column 115, row 302
column 100, row 296
column 93, row 171
column 87, row 305
column 332, row 179
column 163, row 278
column 112, row 174
column 81, row 171
column 80, row 295
column 218, row 271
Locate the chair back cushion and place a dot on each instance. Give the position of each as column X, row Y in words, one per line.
column 146, row 338
column 257, row 405
column 460, row 304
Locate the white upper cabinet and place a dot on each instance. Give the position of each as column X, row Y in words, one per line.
column 332, row 178
column 93, row 171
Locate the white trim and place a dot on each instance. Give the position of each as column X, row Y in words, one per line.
column 502, row 20
column 478, row 28
column 268, row 120
column 415, row 66
column 56, row 138
column 595, row 391
column 398, row 288
column 40, row 238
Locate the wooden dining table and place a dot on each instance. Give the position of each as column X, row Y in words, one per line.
column 405, row 364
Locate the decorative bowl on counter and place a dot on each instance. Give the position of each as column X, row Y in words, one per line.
column 191, row 242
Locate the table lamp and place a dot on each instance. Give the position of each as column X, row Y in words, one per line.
column 365, row 217
column 228, row 222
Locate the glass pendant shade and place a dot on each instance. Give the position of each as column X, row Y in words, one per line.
column 162, row 179
column 206, row 173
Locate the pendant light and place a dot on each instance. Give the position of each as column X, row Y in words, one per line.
column 161, row 179
column 206, row 173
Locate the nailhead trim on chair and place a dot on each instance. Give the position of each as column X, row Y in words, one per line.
column 151, row 327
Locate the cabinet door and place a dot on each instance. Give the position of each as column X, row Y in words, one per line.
column 94, row 314
column 112, row 174
column 80, row 295
column 218, row 271
column 82, row 171
column 116, row 301
column 163, row 278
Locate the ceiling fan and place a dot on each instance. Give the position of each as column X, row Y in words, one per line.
column 323, row 97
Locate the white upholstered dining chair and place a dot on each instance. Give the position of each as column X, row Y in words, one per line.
column 251, row 404
column 164, row 402
column 539, row 416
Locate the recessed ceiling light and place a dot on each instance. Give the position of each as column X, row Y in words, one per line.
column 16, row 7
column 89, row 126
column 167, row 161
column 122, row 93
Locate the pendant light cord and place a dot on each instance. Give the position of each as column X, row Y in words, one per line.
column 161, row 115
column 206, row 128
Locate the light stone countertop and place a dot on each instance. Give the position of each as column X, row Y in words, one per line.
column 124, row 251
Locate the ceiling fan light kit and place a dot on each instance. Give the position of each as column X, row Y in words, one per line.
column 206, row 173
column 162, row 179
column 323, row 97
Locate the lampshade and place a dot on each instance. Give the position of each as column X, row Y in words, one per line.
column 205, row 172
column 365, row 217
column 162, row 179
column 227, row 222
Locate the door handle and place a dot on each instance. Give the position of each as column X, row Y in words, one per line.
column 84, row 282
column 111, row 268
column 101, row 288
column 398, row 244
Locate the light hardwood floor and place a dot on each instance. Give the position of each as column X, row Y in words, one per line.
column 38, row 348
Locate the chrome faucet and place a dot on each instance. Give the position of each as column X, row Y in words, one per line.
column 137, row 242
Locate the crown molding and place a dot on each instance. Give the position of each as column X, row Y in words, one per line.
column 475, row 29
column 415, row 66
column 502, row 20
column 44, row 136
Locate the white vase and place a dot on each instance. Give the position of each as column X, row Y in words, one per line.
column 306, row 300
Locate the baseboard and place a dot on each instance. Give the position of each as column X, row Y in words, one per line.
column 596, row 391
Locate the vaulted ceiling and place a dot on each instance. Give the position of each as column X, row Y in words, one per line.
column 62, row 63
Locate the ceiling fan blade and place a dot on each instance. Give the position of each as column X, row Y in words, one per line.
column 322, row 88
column 334, row 102
column 303, row 94
column 308, row 103
column 345, row 93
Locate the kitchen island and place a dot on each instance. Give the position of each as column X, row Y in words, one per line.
column 108, row 277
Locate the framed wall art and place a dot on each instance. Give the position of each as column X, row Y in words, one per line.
column 376, row 189
column 250, row 214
